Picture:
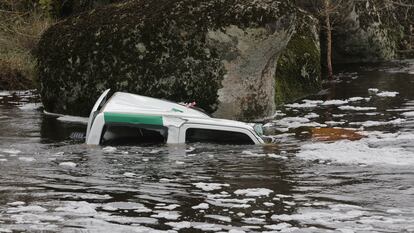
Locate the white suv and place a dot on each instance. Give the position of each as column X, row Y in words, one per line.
column 129, row 118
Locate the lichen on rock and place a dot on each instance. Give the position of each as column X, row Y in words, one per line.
column 220, row 54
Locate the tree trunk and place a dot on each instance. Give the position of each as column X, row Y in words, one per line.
column 328, row 39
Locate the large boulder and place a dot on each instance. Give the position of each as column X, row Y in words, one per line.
column 220, row 53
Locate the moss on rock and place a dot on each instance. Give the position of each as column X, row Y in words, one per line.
column 298, row 69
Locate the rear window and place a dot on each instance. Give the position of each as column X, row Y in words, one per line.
column 133, row 135
column 217, row 136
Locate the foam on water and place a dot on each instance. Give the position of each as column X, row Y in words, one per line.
column 210, row 186
column 380, row 149
column 254, row 192
column 387, row 94
column 335, row 102
column 74, row 119
column 68, row 164
column 356, row 108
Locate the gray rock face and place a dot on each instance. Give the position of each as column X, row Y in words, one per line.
column 370, row 32
column 249, row 57
column 221, row 54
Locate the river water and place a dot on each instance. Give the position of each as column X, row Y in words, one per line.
column 51, row 183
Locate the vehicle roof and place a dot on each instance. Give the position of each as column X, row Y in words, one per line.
column 122, row 102
column 127, row 103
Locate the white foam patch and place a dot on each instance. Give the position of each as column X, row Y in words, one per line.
column 253, row 220
column 275, row 156
column 31, row 208
column 88, row 196
column 74, row 119
column 387, row 94
column 123, row 206
column 335, row 102
column 169, row 215
column 222, row 201
column 109, row 149
column 254, row 192
column 296, row 122
column 129, row 174
column 334, row 123
column 67, row 164
column 179, row 225
column 302, row 105
column 126, row 220
column 219, row 217
column 356, row 108
column 27, row 218
column 5, row 93
column 312, row 101
column 27, row 159
column 16, row 203
column 252, row 154
column 311, row 115
column 278, row 227
column 379, row 123
column 373, row 90
column 356, row 98
column 408, row 114
column 376, row 149
column 210, row 186
column 78, row 208
column 305, row 104
column 30, row 106
column 236, row 231
column 260, row 212
column 311, row 216
column 168, row 207
column 207, row 226
column 11, row 151
column 201, row 206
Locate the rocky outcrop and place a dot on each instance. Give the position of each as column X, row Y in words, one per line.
column 221, row 54
column 298, row 72
column 368, row 32
column 249, row 58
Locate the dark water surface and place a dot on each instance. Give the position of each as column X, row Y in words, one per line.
column 50, row 183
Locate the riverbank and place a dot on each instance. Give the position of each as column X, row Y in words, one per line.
column 21, row 27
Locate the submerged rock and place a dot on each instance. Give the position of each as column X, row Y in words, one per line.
column 221, row 54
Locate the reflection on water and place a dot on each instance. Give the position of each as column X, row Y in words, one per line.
column 52, row 183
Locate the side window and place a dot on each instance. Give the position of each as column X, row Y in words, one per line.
column 217, row 136
column 115, row 134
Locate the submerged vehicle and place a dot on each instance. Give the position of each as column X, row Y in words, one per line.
column 126, row 118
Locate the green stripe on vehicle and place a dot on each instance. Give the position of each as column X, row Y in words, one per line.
column 132, row 118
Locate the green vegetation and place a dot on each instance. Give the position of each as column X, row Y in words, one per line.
column 21, row 25
column 22, row 22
